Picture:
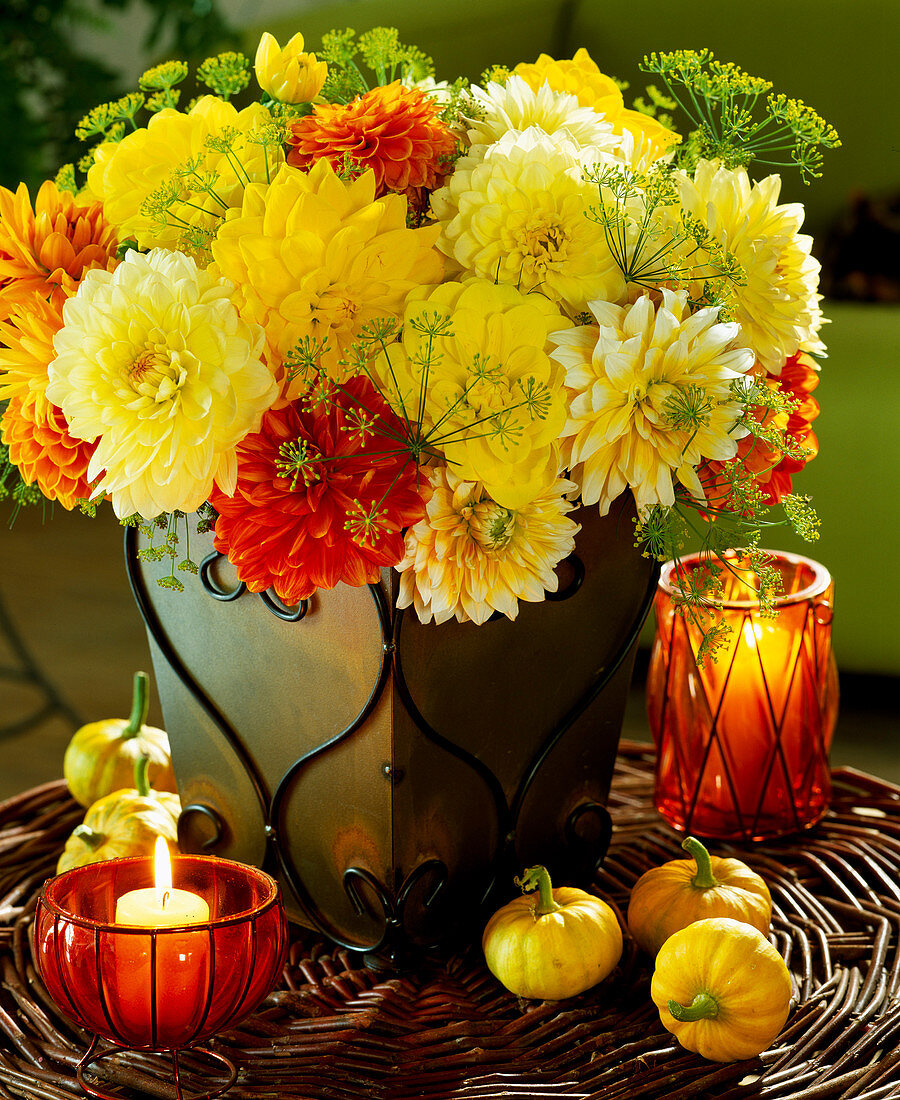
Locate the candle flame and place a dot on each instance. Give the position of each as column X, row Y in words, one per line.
column 163, row 871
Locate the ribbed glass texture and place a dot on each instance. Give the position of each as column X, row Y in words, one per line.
column 742, row 743
column 167, row 988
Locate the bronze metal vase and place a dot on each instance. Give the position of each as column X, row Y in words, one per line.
column 395, row 776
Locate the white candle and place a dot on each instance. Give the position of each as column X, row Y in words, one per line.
column 161, row 906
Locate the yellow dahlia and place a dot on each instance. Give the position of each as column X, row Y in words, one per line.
column 472, row 371
column 650, row 395
column 313, row 256
column 520, row 216
column 156, row 365
column 153, row 183
column 471, row 556
column 48, row 247
column 288, row 75
column 778, row 306
column 642, row 140
column 517, row 106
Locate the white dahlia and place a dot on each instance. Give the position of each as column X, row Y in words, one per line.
column 778, row 307
column 155, row 364
column 471, row 557
column 517, row 106
column 650, row 396
column 521, row 216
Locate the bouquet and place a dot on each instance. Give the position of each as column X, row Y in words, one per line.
column 353, row 317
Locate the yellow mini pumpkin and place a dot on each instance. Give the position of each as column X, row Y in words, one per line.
column 722, row 989
column 552, row 946
column 101, row 756
column 668, row 898
column 123, row 823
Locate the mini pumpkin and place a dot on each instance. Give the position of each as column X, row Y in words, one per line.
column 668, row 898
column 101, row 756
column 722, row 989
column 123, row 823
column 553, row 945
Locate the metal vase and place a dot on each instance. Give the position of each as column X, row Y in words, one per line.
column 396, row 776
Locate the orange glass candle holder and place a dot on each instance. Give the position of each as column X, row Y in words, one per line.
column 742, row 743
column 159, row 988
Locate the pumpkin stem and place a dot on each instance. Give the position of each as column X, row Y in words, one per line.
column 703, row 1007
column 704, row 878
column 140, row 706
column 537, row 878
column 91, row 837
column 142, row 775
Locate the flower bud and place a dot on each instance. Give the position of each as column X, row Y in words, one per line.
column 288, row 74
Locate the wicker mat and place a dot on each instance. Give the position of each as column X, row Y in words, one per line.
column 448, row 1029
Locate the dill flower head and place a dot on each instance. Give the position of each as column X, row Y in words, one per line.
column 155, row 364
column 47, row 248
column 313, row 256
column 321, row 497
column 170, row 184
column 778, row 306
column 642, row 140
column 288, row 75
column 516, row 105
column 520, row 216
column 395, row 131
column 650, row 395
column 45, row 453
column 470, row 556
column 473, row 375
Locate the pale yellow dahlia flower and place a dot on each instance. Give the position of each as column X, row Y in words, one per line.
column 650, row 395
column 288, row 75
column 473, row 372
column 521, row 216
column 471, row 556
column 778, row 306
column 313, row 256
column 155, row 364
column 517, row 106
column 641, row 139
column 170, row 159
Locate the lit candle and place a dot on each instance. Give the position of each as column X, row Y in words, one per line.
column 160, row 975
column 161, row 906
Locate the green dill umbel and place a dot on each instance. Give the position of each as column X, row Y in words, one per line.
column 736, row 118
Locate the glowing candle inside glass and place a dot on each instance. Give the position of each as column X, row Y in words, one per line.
column 161, row 972
column 161, row 906
column 742, row 742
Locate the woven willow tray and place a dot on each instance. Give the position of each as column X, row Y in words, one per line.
column 448, row 1029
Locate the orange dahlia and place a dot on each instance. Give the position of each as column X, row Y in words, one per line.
column 320, row 496
column 47, row 248
column 393, row 130
column 772, row 469
column 40, row 446
column 35, row 430
column 26, row 344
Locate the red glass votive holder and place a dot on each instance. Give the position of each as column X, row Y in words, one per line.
column 742, row 742
column 159, row 989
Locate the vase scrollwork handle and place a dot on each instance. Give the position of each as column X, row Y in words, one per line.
column 212, row 586
column 587, row 843
column 211, row 826
column 277, row 607
column 576, row 565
